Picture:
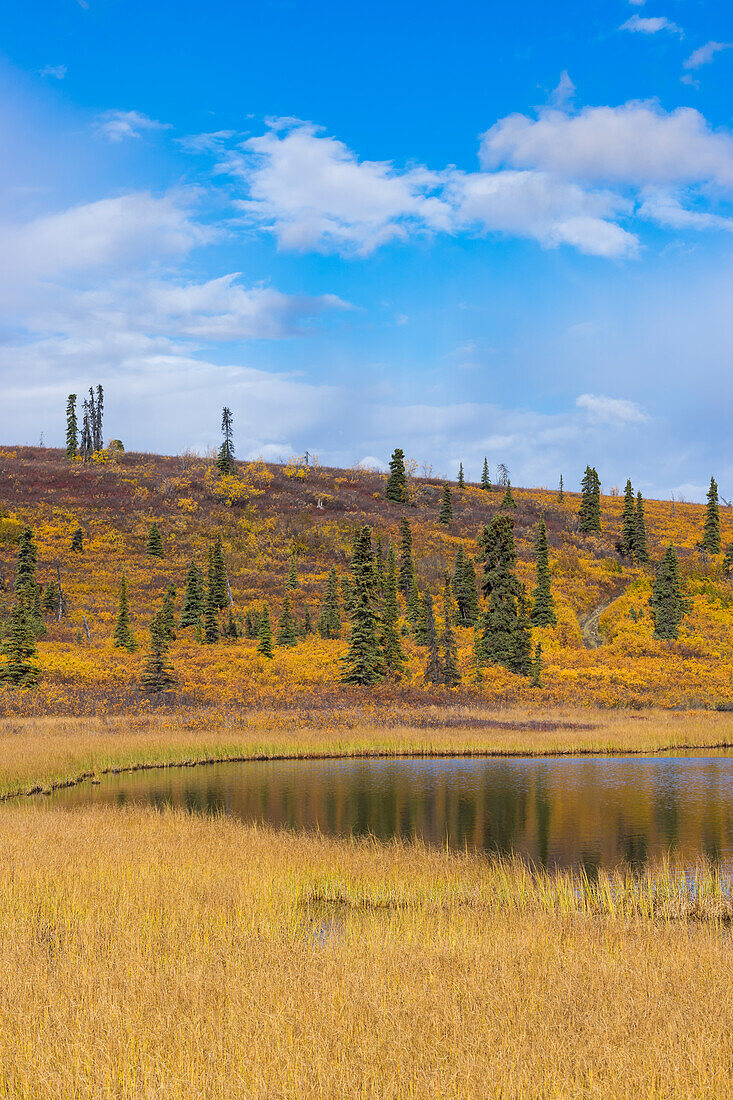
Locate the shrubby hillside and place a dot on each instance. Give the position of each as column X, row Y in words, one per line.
column 282, row 529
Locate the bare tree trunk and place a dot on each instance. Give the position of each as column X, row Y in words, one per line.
column 62, row 601
column 229, row 590
column 86, row 628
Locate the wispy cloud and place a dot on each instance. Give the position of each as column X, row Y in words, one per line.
column 119, row 125
column 705, row 54
column 58, row 72
column 650, row 25
column 610, row 410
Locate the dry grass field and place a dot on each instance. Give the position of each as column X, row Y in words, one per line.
column 160, row 955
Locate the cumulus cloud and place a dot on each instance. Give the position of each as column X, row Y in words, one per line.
column 314, row 193
column 637, row 143
column 705, row 54
column 666, row 209
column 610, row 410
column 650, row 25
column 119, row 125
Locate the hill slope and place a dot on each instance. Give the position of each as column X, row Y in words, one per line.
column 269, row 511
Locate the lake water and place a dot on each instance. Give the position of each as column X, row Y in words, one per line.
column 556, row 811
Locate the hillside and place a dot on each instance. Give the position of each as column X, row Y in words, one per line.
column 267, row 512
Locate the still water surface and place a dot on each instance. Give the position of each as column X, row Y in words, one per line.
column 557, row 811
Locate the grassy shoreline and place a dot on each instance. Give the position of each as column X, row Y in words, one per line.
column 42, row 755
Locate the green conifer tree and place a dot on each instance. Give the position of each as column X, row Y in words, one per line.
column 445, row 516
column 536, row 669
column 486, row 478
column 561, row 492
column 231, row 630
column 219, row 575
column 506, row 638
column 167, row 615
column 711, row 534
column 543, row 605
column 508, row 503
column 590, row 502
column 20, row 665
column 72, row 427
column 728, row 561
column 193, row 597
column 364, row 662
column 434, row 665
column 286, row 628
column 378, row 564
column 265, row 633
column 414, row 605
column 394, row 657
column 123, row 636
column 307, row 625
column 26, row 589
column 329, row 620
column 211, row 605
column 397, row 481
column 628, row 523
column 51, row 599
column 154, row 545
column 640, row 546
column 158, row 676
column 407, row 568
column 292, row 578
column 450, row 673
column 225, row 459
column 667, row 604
column 461, row 478
column 77, row 541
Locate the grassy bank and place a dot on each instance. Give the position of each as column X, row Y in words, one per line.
column 41, row 753
column 157, row 954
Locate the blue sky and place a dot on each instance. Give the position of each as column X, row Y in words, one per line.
column 466, row 230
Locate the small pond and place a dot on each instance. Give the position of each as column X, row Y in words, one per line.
column 557, row 811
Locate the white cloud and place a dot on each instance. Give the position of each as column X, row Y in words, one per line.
column 665, row 208
column 214, row 142
column 637, row 143
column 563, row 95
column 610, row 410
column 705, row 54
column 118, row 125
column 109, row 233
column 536, row 205
column 314, row 193
column 651, row 25
column 58, row 72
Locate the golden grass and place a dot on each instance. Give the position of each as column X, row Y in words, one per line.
column 159, row 955
column 40, row 753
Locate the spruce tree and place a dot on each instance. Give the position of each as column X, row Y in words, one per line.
column 413, row 607
column 211, row 606
column 505, row 636
column 97, row 411
column 225, row 459
column 123, row 636
column 667, row 603
column 628, row 523
column 292, row 579
column 433, row 667
column 219, row 575
column 379, row 564
column 363, row 663
column 193, row 597
column 27, row 590
column 397, row 480
column 51, row 599
column 508, row 503
column 72, row 427
column 536, row 668
column 20, row 667
column 86, row 440
column 711, row 535
column 485, row 478
column 286, row 630
column 461, row 478
column 231, row 630
column 77, row 541
column 394, row 658
column 561, row 492
column 154, row 545
column 166, row 617
column 252, row 623
column 307, row 625
column 407, row 569
column 158, row 676
column 543, row 603
column 590, row 502
column 329, row 620
column 450, row 673
column 464, row 590
column 640, row 547
column 445, row 515
column 728, row 561
column 265, row 633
